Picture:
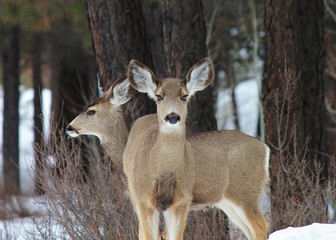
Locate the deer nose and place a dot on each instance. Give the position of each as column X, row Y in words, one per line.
column 172, row 118
column 70, row 130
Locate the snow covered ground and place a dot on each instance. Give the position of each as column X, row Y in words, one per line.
column 24, row 228
column 315, row 231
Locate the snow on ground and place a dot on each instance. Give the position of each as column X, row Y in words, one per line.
column 31, row 228
column 247, row 99
column 25, row 228
column 316, row 231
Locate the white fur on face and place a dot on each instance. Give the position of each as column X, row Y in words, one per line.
column 72, row 133
column 168, row 127
column 198, row 78
column 120, row 93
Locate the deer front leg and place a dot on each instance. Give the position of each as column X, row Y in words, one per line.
column 175, row 219
column 148, row 223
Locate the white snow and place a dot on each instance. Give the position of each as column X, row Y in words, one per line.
column 26, row 135
column 25, row 228
column 316, row 231
column 247, row 99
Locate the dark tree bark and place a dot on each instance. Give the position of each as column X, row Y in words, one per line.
column 294, row 107
column 72, row 87
column 119, row 35
column 38, row 118
column 330, row 89
column 177, row 40
column 11, row 73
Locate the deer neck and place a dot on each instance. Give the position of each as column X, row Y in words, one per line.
column 169, row 152
column 115, row 138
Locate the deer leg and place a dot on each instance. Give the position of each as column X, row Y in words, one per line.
column 231, row 211
column 164, row 234
column 257, row 222
column 247, row 217
column 175, row 219
column 148, row 224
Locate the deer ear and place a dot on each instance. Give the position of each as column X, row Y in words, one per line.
column 142, row 78
column 200, row 76
column 121, row 92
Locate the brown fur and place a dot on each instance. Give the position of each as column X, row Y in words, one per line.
column 227, row 163
column 168, row 159
column 164, row 191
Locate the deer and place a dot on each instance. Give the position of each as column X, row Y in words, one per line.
column 231, row 168
column 158, row 160
column 104, row 118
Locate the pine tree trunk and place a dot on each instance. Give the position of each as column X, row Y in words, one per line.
column 177, row 40
column 119, row 35
column 294, row 109
column 72, row 87
column 330, row 96
column 11, row 74
column 38, row 117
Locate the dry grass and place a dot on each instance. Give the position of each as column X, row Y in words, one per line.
column 299, row 188
column 87, row 204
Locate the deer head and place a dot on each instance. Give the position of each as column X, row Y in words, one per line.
column 171, row 95
column 100, row 113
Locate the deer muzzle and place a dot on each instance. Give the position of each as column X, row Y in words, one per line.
column 71, row 131
column 172, row 118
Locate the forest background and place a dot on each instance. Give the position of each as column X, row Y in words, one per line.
column 288, row 47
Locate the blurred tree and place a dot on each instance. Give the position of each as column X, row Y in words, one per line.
column 294, row 107
column 10, row 30
column 330, row 84
column 38, row 117
column 235, row 41
column 10, row 57
column 72, row 69
column 35, row 24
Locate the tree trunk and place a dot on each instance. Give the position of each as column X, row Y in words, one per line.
column 177, row 39
column 72, row 87
column 11, row 73
column 330, row 89
column 119, row 35
column 38, row 116
column 294, row 111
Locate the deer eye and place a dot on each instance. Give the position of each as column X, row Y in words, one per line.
column 159, row 97
column 184, row 98
column 91, row 112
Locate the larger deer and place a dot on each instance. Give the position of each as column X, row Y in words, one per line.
column 231, row 168
column 158, row 160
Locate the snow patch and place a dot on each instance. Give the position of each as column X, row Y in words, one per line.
column 316, row 231
column 247, row 99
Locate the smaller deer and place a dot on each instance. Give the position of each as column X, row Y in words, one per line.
column 158, row 160
column 104, row 118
